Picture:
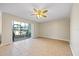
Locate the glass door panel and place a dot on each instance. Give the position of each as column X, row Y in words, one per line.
column 21, row 31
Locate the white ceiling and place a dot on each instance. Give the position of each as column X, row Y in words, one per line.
column 25, row 10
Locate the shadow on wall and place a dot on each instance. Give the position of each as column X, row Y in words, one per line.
column 0, row 39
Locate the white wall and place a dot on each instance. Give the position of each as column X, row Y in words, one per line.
column 56, row 29
column 74, row 29
column 7, row 27
column 0, row 25
column 37, row 30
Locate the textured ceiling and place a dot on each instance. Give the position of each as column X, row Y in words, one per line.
column 25, row 10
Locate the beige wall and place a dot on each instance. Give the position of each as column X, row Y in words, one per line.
column 7, row 27
column 56, row 29
column 74, row 29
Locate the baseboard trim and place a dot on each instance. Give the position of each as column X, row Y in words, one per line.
column 55, row 39
column 72, row 50
column 1, row 45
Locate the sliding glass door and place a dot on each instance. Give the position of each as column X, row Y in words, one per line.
column 21, row 31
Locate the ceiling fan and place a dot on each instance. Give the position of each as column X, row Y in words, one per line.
column 40, row 12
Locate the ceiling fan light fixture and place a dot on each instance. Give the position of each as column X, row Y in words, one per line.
column 40, row 12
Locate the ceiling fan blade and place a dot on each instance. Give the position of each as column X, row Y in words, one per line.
column 45, row 11
column 35, row 10
column 44, row 15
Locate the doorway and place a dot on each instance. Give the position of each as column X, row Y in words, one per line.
column 21, row 31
